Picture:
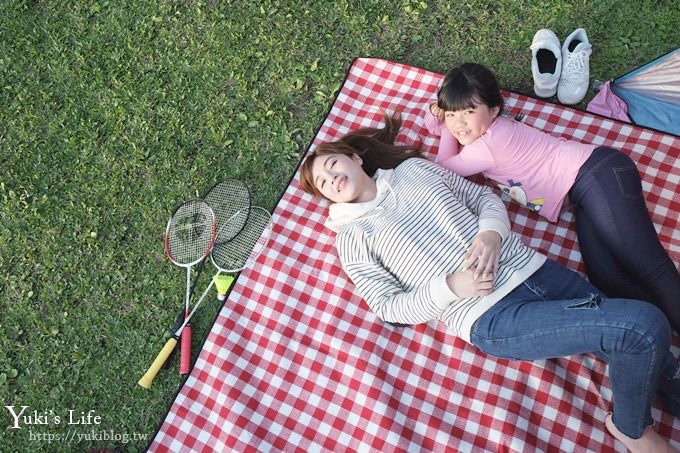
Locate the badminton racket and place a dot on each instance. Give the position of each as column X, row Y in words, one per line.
column 228, row 257
column 230, row 201
column 189, row 237
column 239, row 253
column 188, row 241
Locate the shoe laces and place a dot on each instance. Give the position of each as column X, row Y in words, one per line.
column 576, row 64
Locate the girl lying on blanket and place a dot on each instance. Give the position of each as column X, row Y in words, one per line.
column 620, row 247
column 422, row 243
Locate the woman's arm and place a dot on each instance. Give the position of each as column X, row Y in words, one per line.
column 484, row 253
column 384, row 293
column 494, row 225
column 391, row 303
column 482, row 202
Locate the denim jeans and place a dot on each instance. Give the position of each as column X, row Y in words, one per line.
column 620, row 247
column 556, row 313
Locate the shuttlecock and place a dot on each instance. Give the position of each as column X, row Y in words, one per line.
column 222, row 283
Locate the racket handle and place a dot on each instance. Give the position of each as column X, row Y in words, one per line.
column 185, row 351
column 162, row 356
column 173, row 331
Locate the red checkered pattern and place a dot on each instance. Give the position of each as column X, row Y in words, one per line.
column 297, row 362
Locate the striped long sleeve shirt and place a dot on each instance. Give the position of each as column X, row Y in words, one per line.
column 399, row 248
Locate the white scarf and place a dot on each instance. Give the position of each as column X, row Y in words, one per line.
column 340, row 214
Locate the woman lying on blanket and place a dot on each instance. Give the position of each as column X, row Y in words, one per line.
column 423, row 243
column 620, row 247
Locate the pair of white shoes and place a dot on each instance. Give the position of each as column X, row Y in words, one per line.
column 563, row 70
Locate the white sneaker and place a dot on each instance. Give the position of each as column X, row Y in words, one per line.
column 546, row 62
column 573, row 84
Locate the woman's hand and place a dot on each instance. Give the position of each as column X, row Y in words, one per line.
column 483, row 255
column 464, row 284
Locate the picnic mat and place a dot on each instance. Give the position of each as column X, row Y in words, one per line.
column 296, row 361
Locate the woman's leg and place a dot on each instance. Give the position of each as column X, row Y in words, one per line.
column 556, row 313
column 609, row 191
column 649, row 442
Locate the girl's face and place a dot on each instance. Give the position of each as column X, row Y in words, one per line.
column 469, row 124
column 341, row 179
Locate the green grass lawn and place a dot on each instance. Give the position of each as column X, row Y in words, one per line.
column 112, row 112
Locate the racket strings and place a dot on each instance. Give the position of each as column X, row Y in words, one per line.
column 246, row 246
column 190, row 233
column 230, row 200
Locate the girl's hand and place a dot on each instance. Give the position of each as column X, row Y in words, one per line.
column 437, row 112
column 484, row 254
column 464, row 284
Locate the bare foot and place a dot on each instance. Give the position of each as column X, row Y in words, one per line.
column 649, row 442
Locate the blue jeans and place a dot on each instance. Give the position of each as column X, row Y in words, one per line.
column 620, row 247
column 556, row 313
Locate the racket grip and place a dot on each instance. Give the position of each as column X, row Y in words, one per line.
column 173, row 331
column 162, row 356
column 185, row 351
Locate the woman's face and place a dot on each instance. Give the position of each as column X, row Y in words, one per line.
column 341, row 179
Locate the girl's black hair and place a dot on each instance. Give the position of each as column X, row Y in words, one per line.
column 467, row 85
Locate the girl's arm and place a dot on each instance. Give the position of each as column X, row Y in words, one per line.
column 466, row 163
column 448, row 145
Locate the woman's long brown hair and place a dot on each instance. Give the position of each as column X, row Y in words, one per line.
column 375, row 147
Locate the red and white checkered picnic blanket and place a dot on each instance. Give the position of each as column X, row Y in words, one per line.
column 296, row 361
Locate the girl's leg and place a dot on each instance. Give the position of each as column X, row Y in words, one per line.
column 608, row 189
column 556, row 313
column 604, row 270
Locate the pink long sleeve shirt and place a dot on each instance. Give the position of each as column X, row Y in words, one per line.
column 533, row 167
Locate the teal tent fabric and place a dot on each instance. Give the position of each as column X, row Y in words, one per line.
column 651, row 93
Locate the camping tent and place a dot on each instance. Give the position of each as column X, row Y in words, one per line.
column 649, row 94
